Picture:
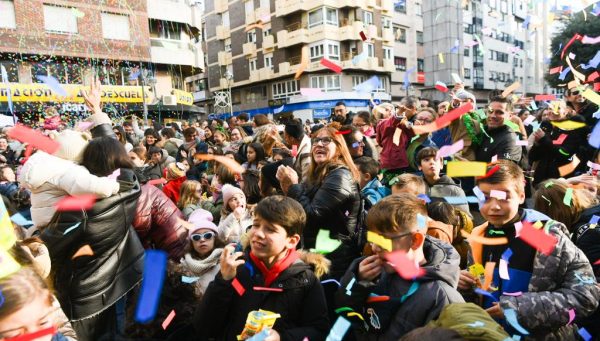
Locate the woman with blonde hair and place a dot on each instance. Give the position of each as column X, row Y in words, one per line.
column 330, row 196
column 190, row 194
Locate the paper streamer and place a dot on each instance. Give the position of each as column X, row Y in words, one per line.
column 168, row 320
column 367, row 86
column 560, row 140
column 339, row 329
column 155, row 270
column 441, row 86
column 34, row 138
column 482, row 292
column 592, row 96
column 35, row 335
column 54, row 85
column 85, row 250
column 303, row 63
column 189, row 280
column 450, row 150
column 405, row 267
column 538, row 239
column 331, row 65
column 484, row 240
column 465, row 168
column 568, row 125
column 514, row 86
column 511, row 317
column 379, row 240
column 76, row 203
column 544, row 98
column 444, row 121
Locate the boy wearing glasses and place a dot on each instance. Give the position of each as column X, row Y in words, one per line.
column 391, row 305
column 268, row 276
column 538, row 287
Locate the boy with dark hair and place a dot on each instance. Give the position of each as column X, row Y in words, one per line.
column 438, row 186
column 411, row 303
column 549, row 282
column 371, row 189
column 268, row 276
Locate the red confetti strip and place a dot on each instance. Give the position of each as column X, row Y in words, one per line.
column 597, row 87
column 592, row 77
column 445, row 120
column 545, row 97
column 560, row 139
column 490, row 172
column 157, row 181
column 238, row 287
column 441, row 88
column 168, row 320
column 597, row 262
column 538, row 239
column 34, row 335
column 343, row 132
column 331, row 65
column 34, row 138
column 76, row 203
column 557, row 69
column 363, row 36
column 268, row 289
column 373, row 299
column 577, row 36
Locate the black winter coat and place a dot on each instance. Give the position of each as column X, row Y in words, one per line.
column 222, row 313
column 87, row 285
column 549, row 156
column 502, row 142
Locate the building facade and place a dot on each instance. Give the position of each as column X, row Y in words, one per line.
column 255, row 48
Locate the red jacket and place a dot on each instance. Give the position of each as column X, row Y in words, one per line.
column 172, row 187
column 392, row 156
column 157, row 222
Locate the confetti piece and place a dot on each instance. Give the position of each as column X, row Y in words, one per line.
column 424, row 197
column 71, row 228
column 267, row 289
column 157, row 181
column 189, row 280
column 406, row 77
column 310, row 91
column 239, row 288
column 501, row 195
column 8, row 265
column 278, row 110
column 576, row 73
column 115, row 174
column 482, row 292
column 35, row 138
column 484, row 240
column 343, row 309
column 367, row 86
column 379, row 240
column 594, row 219
column 76, row 203
column 450, row 150
column 568, row 197
column 331, row 65
column 441, row 86
column 405, row 267
column 295, row 150
column 571, row 316
column 503, row 270
column 396, row 137
column 592, row 96
column 230, row 163
column 476, row 324
column 376, row 298
column 560, row 140
column 18, row 219
column 411, row 290
column 339, row 329
column 363, row 36
column 465, row 168
column 441, row 58
column 54, row 85
column 514, row 86
column 355, row 314
column 569, row 167
column 303, row 62
column 577, row 36
column 331, row 281
column 461, row 200
column 155, row 270
column 421, row 221
column 35, row 335
column 513, row 294
column 538, row 239
column 479, row 194
column 557, row 69
column 511, row 317
column 564, row 73
column 85, row 250
column 168, row 320
column 488, row 275
column 324, row 244
column 444, row 121
column 456, row 78
column 544, row 98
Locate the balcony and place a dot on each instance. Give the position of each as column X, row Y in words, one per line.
column 372, row 32
column 388, row 65
column 373, row 63
column 223, row 32
column 371, row 3
column 249, row 49
column 263, row 14
column 268, row 43
column 167, row 51
column 350, row 30
column 293, row 34
column 348, row 61
column 224, row 58
column 176, row 11
column 265, row 73
column 221, row 6
column 387, row 35
column 254, row 76
column 387, row 7
column 285, row 7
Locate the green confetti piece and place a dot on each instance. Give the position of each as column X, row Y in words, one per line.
column 512, row 125
column 414, row 138
column 563, row 152
column 498, row 233
column 568, row 197
column 342, row 309
column 324, row 244
column 549, row 184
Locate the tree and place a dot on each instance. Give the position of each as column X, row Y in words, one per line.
column 577, row 23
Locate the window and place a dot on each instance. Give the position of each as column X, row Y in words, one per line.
column 59, row 19
column 418, row 9
column 225, row 19
column 267, row 31
column 285, row 89
column 326, row 48
column 400, row 63
column 7, row 14
column 388, row 52
column 228, row 45
column 400, row 34
column 249, row 7
column 387, row 22
column 115, row 26
column 165, row 29
column 370, row 49
column 316, row 52
column 383, row 81
column 468, row 28
column 420, row 65
column 467, row 51
column 251, row 36
column 269, row 61
column 316, row 17
column 419, row 38
column 400, row 6
column 368, row 18
column 326, row 83
column 467, row 73
column 12, row 71
column 252, row 64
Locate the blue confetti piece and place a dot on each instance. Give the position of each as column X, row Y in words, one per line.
column 593, row 63
column 511, row 317
column 507, row 254
column 349, row 286
column 421, row 221
column 155, row 270
column 278, row 110
column 53, row 84
column 424, row 197
column 189, row 280
column 357, row 59
column 585, row 279
column 339, row 329
column 71, row 228
column 525, row 24
column 406, row 75
column 20, row 220
column 479, row 194
column 331, row 281
column 461, row 200
column 369, row 85
column 596, row 10
column 411, row 290
column 260, row 336
column 250, row 268
column 1, row 298
column 564, row 73
column 594, row 219
column 485, row 293
column 584, row 334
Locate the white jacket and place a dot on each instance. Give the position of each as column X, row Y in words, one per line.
column 231, row 229
column 50, row 178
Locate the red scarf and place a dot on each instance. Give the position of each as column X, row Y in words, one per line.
column 277, row 268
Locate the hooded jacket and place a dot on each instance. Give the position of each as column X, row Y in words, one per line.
column 301, row 303
column 172, row 145
column 51, row 178
column 446, row 187
column 502, row 142
column 87, row 285
column 407, row 309
column 158, row 222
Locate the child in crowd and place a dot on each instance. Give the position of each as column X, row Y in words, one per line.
column 214, row 205
column 255, row 153
column 371, row 188
column 550, row 283
column 235, row 216
column 438, row 186
column 272, row 262
column 175, row 176
column 395, row 218
column 189, row 197
column 408, row 183
column 446, row 224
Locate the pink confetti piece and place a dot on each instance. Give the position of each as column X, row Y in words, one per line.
column 590, row 40
column 157, row 181
column 571, row 316
column 560, row 139
column 310, row 91
column 529, row 120
column 168, row 320
column 513, row 294
column 115, row 174
column 524, row 143
column 593, row 166
column 494, row 158
column 76, row 203
column 450, row 150
column 544, row 98
column 405, row 267
column 518, row 228
column 83, row 126
column 498, row 194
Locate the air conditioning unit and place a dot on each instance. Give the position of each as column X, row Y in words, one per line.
column 170, row 100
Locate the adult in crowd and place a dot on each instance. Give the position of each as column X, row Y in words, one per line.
column 442, row 136
column 130, row 135
column 149, row 170
column 171, row 143
column 582, row 106
column 244, row 122
column 330, row 196
column 151, row 139
column 354, row 141
column 467, row 128
column 341, row 114
column 423, row 117
column 294, row 135
column 6, row 153
column 501, row 140
column 120, row 134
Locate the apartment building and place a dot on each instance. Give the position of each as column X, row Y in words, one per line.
column 119, row 41
column 254, row 49
column 490, row 44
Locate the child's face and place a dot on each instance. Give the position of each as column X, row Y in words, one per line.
column 499, row 212
column 202, row 243
column 238, row 200
column 250, row 154
column 406, row 241
column 35, row 315
column 431, row 167
column 270, row 241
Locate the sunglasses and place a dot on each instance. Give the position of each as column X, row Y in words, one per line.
column 574, row 92
column 324, row 141
column 206, row 236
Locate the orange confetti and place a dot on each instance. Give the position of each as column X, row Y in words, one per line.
column 224, row 160
column 85, row 250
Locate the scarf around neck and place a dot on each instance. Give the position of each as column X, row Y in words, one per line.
column 277, row 268
column 201, row 266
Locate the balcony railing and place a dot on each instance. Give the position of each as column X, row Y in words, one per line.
column 170, row 44
column 295, row 60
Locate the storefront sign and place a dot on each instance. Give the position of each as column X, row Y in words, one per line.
column 43, row 93
column 183, row 97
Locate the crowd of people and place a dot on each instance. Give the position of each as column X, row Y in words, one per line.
column 348, row 229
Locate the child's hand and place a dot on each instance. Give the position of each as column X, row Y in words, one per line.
column 273, row 336
column 239, row 212
column 230, row 262
column 466, row 281
column 370, row 268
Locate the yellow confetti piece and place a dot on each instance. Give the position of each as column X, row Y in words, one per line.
column 356, row 314
column 466, row 168
column 477, row 270
column 441, row 57
column 538, row 225
column 7, row 232
column 568, row 125
column 379, row 240
column 8, row 265
column 592, row 96
column 514, row 86
column 576, row 73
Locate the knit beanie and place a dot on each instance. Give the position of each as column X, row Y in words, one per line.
column 72, row 144
column 175, row 170
column 201, row 219
column 228, row 192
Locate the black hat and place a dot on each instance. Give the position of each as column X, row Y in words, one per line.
column 295, row 129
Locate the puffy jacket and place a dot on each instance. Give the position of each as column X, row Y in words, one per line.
column 549, row 156
column 446, row 187
column 158, row 224
column 231, row 229
column 89, row 284
column 502, row 142
column 393, row 156
column 50, row 178
column 172, row 146
column 172, row 188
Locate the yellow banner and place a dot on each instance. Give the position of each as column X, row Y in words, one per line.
column 183, row 97
column 43, row 93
